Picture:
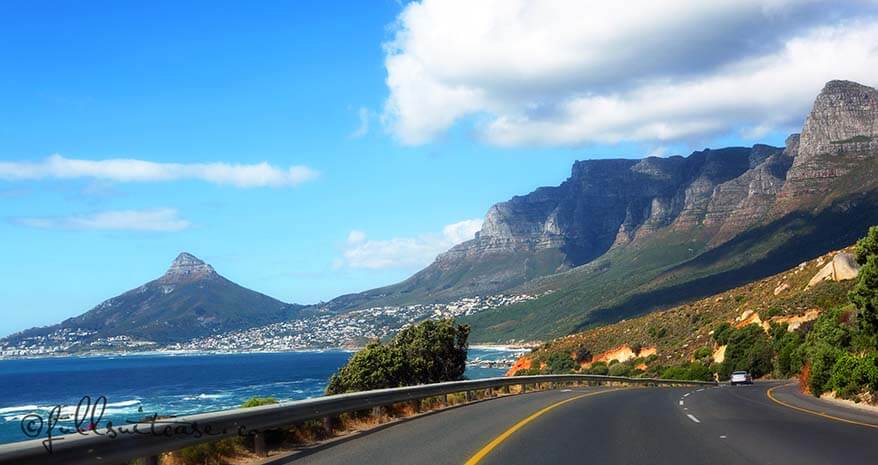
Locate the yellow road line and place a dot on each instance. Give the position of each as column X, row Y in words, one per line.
column 484, row 451
column 814, row 412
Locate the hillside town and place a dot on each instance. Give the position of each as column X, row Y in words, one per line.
column 347, row 330
column 322, row 330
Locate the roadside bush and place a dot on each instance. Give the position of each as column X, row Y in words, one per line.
column 695, row 371
column 787, row 364
column 619, row 369
column 599, row 368
column 211, row 453
column 823, row 359
column 430, row 352
column 560, row 363
column 677, row 372
column 748, row 349
column 699, row 372
column 852, row 374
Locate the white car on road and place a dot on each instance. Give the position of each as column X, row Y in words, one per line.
column 741, row 377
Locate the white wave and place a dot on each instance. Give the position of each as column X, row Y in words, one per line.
column 124, row 403
column 20, row 408
column 206, row 397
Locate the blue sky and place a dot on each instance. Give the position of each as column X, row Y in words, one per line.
column 132, row 131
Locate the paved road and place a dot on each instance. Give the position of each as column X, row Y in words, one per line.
column 723, row 425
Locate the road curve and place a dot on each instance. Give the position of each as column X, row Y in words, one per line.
column 722, row 425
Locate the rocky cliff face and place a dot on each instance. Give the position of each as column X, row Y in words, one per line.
column 840, row 132
column 611, row 203
column 608, row 203
column 710, row 196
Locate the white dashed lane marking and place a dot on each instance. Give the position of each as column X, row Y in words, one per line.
column 692, row 417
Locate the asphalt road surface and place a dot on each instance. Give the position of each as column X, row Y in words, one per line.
column 714, row 425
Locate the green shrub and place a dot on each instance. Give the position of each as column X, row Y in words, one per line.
column 695, row 371
column 583, row 355
column 599, row 368
column 867, row 246
column 702, row 352
column 210, row 453
column 865, row 297
column 560, row 363
column 698, row 371
column 852, row 374
column 430, row 352
column 619, row 369
column 787, row 364
column 771, row 312
column 721, row 333
column 823, row 359
column 657, row 332
column 748, row 349
column 677, row 372
column 259, row 401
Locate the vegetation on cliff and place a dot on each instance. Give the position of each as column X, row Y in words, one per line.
column 827, row 333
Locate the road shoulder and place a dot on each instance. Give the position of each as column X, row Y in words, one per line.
column 789, row 395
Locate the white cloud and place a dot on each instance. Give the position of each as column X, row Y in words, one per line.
column 405, row 252
column 356, row 237
column 570, row 72
column 155, row 220
column 131, row 170
column 363, row 128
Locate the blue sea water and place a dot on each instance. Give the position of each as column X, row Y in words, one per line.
column 166, row 384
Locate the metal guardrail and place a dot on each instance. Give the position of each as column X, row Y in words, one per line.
column 150, row 439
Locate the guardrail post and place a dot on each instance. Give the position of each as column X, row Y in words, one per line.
column 327, row 425
column 445, row 400
column 416, row 405
column 523, row 388
column 259, row 444
column 469, row 396
column 379, row 411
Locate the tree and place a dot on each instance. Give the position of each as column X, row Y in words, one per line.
column 867, row 246
column 865, row 297
column 430, row 352
column 435, row 351
column 583, row 355
column 560, row 363
column 721, row 333
column 748, row 349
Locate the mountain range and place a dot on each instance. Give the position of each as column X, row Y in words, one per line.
column 617, row 239
column 623, row 237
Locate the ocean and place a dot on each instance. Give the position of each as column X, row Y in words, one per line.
column 139, row 385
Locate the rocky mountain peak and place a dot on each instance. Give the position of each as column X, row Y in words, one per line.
column 843, row 112
column 187, row 267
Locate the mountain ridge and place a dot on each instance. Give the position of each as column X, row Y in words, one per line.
column 189, row 300
column 619, row 229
